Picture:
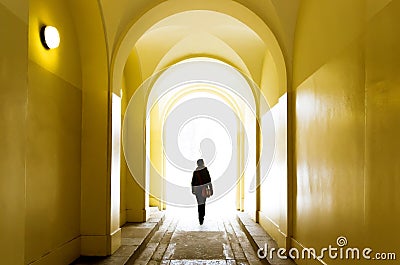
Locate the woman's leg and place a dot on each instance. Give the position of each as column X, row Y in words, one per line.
column 201, row 204
column 202, row 212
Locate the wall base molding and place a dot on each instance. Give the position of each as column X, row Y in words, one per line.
column 100, row 245
column 64, row 254
column 116, row 240
column 273, row 230
column 137, row 216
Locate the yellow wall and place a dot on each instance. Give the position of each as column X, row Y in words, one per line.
column 13, row 99
column 270, row 86
column 382, row 143
column 52, row 167
column 48, row 117
column 53, row 145
column 42, row 124
column 273, row 208
column 249, row 170
column 65, row 60
column 347, row 125
column 273, row 199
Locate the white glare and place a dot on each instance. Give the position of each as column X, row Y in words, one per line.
column 52, row 37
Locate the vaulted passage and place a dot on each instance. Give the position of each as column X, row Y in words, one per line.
column 293, row 105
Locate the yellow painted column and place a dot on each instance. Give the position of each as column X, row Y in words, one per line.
column 239, row 170
column 291, row 165
column 100, row 234
column 134, row 144
column 242, row 173
column 156, row 157
column 115, row 182
column 258, row 155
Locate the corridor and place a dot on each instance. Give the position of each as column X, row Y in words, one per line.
column 107, row 105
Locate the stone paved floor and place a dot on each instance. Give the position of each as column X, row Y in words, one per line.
column 182, row 240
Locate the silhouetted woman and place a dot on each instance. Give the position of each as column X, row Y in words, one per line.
column 201, row 188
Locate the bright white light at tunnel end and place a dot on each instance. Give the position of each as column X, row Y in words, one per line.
column 217, row 133
column 194, row 73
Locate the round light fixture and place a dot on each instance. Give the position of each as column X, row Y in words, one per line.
column 50, row 37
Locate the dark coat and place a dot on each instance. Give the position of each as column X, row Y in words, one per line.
column 199, row 180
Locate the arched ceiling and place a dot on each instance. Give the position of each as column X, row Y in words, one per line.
column 178, row 29
column 280, row 15
column 198, row 33
column 283, row 17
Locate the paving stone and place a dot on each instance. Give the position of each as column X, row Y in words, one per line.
column 125, row 251
column 167, row 237
column 198, row 262
column 228, row 251
column 251, row 257
column 112, row 260
column 132, row 241
column 230, row 233
column 157, row 237
column 261, row 241
column 221, row 226
column 135, row 232
column 148, row 252
column 169, row 252
column 238, row 251
column 255, row 262
column 159, row 253
column 172, row 227
column 198, row 245
column 139, row 225
column 158, row 214
column 141, row 262
column 153, row 220
column 163, row 228
column 256, row 230
column 260, row 237
column 117, row 260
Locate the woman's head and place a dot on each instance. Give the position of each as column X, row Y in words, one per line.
column 200, row 162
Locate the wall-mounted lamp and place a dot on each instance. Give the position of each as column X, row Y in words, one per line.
column 50, row 37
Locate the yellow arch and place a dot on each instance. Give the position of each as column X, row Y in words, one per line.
column 168, row 8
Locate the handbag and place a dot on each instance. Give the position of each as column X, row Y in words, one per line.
column 206, row 192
